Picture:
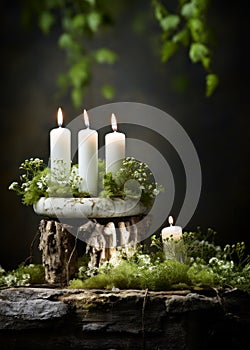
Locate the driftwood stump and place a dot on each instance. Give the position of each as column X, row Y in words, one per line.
column 102, row 236
column 59, row 256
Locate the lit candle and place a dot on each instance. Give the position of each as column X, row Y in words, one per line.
column 114, row 148
column 174, row 232
column 88, row 158
column 60, row 148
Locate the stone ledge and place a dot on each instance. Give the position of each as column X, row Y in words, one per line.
column 45, row 318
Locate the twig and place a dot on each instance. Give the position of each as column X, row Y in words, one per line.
column 29, row 258
column 70, row 257
column 143, row 316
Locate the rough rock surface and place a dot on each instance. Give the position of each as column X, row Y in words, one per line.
column 44, row 318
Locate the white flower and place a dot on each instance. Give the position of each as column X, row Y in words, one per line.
column 213, row 260
column 39, row 185
column 13, row 185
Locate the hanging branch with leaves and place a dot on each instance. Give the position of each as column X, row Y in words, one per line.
column 187, row 27
column 79, row 21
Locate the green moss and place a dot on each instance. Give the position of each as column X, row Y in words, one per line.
column 207, row 264
column 202, row 276
column 23, row 276
column 131, row 275
column 76, row 284
column 100, row 281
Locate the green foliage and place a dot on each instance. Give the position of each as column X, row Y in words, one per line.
column 23, row 276
column 237, row 253
column 76, row 284
column 168, row 49
column 101, row 173
column 212, row 82
column 156, row 242
column 197, row 52
column 108, row 92
column 187, row 27
column 170, row 22
column 202, row 275
column 32, row 182
column 136, row 272
column 105, row 56
column 46, row 21
column 138, row 268
column 133, row 180
column 80, row 21
column 201, row 245
column 111, row 188
column 37, row 182
column 219, row 273
column 208, row 265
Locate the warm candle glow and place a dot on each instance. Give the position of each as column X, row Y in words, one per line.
column 113, row 122
column 86, row 118
column 114, row 148
column 170, row 220
column 60, row 148
column 59, row 117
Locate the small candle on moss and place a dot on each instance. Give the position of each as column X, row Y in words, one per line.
column 173, row 245
column 174, row 232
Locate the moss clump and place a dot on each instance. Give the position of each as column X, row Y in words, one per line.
column 206, row 265
column 139, row 272
column 23, row 276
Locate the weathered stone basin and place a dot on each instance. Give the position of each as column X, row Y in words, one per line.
column 87, row 207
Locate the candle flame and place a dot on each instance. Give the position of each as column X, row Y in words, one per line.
column 113, row 122
column 86, row 118
column 170, row 220
column 59, row 117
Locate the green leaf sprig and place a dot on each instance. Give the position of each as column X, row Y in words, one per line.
column 133, row 180
column 78, row 22
column 187, row 28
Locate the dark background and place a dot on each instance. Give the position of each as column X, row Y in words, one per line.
column 218, row 126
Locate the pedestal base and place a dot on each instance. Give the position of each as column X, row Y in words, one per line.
column 102, row 237
column 58, row 254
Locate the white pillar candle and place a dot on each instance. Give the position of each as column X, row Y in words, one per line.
column 114, row 148
column 173, row 245
column 60, row 149
column 174, row 232
column 88, row 158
